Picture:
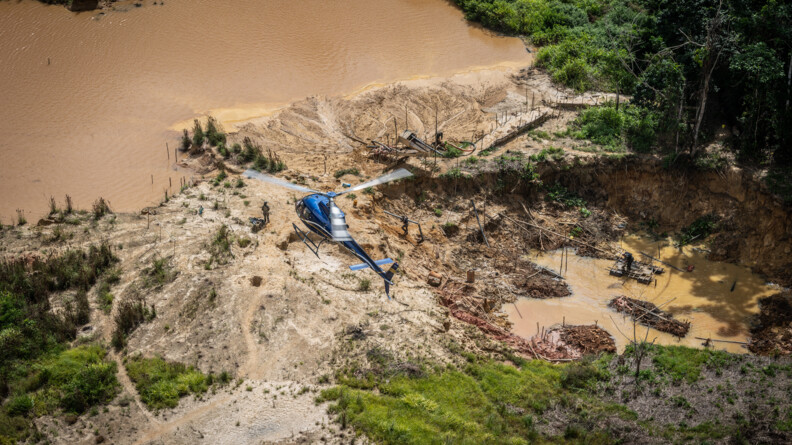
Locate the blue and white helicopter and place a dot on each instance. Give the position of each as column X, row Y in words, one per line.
column 322, row 216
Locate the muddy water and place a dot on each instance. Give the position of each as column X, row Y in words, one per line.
column 703, row 296
column 88, row 99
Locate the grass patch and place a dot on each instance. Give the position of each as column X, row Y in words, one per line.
column 484, row 402
column 161, row 384
column 554, row 153
column 681, row 363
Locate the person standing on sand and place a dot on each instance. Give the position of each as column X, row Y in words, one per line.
column 265, row 211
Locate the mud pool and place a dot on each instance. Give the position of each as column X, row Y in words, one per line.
column 703, row 296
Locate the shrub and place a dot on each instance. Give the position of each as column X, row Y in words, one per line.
column 100, row 208
column 346, row 171
column 81, row 378
column 698, row 230
column 161, row 384
column 131, row 314
column 364, row 285
column 198, row 134
column 452, row 152
column 185, row 141
column 453, row 173
column 251, row 151
column 553, row 153
column 213, row 133
column 158, row 273
column 629, row 126
column 19, row 405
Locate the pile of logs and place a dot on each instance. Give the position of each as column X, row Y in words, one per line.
column 647, row 314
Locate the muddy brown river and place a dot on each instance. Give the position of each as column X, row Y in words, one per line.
column 704, row 296
column 90, row 100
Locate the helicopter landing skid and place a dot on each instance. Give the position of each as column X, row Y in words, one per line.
column 313, row 247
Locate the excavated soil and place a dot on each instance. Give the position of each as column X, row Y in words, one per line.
column 771, row 329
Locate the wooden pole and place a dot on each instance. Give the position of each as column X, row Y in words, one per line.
column 167, row 150
column 479, row 223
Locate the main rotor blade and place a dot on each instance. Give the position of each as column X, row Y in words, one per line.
column 276, row 181
column 392, row 176
column 338, row 225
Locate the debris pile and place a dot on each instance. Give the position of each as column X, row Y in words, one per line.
column 563, row 343
column 771, row 328
column 648, row 314
column 558, row 343
column 590, row 339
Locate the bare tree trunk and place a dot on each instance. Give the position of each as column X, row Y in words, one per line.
column 789, row 81
column 679, row 117
column 708, row 67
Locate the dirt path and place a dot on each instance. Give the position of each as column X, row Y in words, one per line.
column 129, row 387
column 164, row 428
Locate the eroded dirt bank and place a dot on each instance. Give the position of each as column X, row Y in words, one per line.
column 754, row 228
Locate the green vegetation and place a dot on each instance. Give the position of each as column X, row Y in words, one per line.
column 346, row 171
column 158, row 273
column 471, row 161
column 104, row 296
column 220, row 246
column 270, row 162
column 198, row 134
column 213, row 133
column 699, row 229
column 617, row 128
column 161, row 384
column 553, row 153
column 452, row 152
column 38, row 374
column 101, row 208
column 692, row 67
column 680, row 363
column 131, row 313
column 452, row 173
column 480, row 402
column 364, row 285
column 559, row 193
column 186, row 142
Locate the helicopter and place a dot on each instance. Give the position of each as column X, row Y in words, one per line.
column 321, row 215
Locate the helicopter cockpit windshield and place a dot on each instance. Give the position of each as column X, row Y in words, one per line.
column 302, row 210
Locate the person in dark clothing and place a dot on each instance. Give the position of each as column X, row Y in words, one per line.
column 628, row 260
column 265, row 210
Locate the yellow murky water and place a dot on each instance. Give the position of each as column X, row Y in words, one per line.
column 89, row 99
column 703, row 296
